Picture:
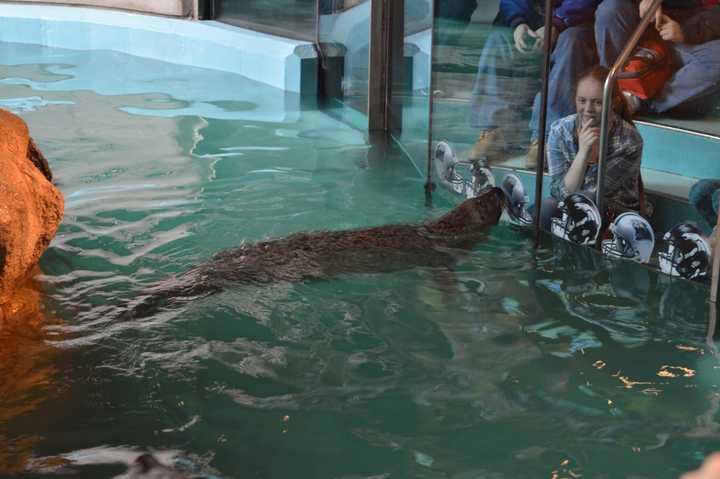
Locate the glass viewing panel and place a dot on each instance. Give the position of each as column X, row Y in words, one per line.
column 486, row 78
column 344, row 34
column 485, row 86
column 412, row 84
column 287, row 18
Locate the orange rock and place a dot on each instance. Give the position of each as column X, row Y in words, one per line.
column 31, row 208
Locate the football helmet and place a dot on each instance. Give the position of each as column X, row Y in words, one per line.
column 465, row 178
column 685, row 253
column 632, row 238
column 516, row 199
column 580, row 220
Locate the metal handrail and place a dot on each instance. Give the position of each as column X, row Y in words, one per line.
column 607, row 101
column 542, row 127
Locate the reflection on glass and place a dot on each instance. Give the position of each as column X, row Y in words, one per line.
column 344, row 34
column 289, row 18
column 488, row 67
column 412, row 84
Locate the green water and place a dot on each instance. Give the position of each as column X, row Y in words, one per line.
column 518, row 364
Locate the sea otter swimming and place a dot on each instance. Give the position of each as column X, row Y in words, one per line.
column 323, row 254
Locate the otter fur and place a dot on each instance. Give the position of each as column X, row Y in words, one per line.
column 324, row 254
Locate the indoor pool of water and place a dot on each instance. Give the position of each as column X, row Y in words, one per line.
column 518, row 363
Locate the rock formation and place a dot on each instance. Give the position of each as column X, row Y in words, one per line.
column 31, row 208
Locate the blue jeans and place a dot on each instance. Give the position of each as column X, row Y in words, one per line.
column 704, row 197
column 507, row 80
column 694, row 89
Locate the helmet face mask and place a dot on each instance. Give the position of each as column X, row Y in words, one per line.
column 579, row 222
column 632, row 238
column 685, row 253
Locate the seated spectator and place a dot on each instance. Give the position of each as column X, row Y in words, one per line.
column 573, row 151
column 510, row 68
column 692, row 31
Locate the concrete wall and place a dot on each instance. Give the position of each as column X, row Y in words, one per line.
column 176, row 8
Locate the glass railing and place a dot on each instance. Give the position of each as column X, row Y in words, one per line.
column 485, row 98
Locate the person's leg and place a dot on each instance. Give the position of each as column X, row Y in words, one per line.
column 501, row 69
column 615, row 22
column 703, row 197
column 573, row 54
column 695, row 87
column 505, row 83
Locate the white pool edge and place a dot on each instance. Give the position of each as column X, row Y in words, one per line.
column 269, row 59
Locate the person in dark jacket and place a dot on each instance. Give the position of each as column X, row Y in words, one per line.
column 510, row 67
column 692, row 30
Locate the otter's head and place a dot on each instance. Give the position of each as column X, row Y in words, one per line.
column 473, row 215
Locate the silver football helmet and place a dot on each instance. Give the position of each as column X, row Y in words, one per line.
column 685, row 253
column 632, row 238
column 517, row 200
column 580, row 222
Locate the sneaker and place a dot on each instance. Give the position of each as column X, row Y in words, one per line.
column 633, row 102
column 489, row 145
column 531, row 157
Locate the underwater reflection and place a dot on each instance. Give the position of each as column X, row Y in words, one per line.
column 634, row 346
column 631, row 303
column 28, row 371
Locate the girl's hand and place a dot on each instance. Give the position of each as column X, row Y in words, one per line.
column 588, row 137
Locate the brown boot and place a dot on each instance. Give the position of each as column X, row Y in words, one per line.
column 490, row 144
column 531, row 158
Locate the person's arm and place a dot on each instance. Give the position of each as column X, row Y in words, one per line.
column 574, row 12
column 702, row 27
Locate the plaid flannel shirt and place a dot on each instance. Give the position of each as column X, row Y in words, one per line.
column 622, row 172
